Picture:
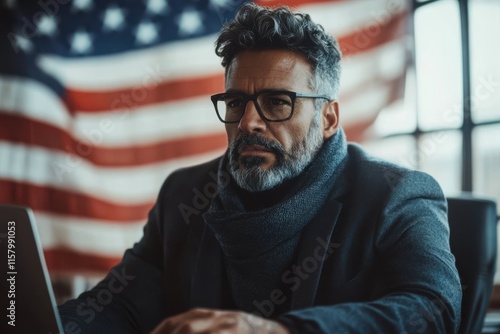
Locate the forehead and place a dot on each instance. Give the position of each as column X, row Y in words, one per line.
column 268, row 69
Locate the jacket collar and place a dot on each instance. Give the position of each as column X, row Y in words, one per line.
column 315, row 247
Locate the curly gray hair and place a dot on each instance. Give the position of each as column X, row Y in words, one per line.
column 257, row 27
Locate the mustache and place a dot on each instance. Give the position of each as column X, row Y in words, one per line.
column 255, row 139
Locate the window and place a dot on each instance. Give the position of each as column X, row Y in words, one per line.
column 449, row 124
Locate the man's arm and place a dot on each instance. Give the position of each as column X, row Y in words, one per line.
column 131, row 297
column 418, row 289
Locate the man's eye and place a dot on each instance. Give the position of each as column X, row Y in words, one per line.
column 277, row 101
column 234, row 103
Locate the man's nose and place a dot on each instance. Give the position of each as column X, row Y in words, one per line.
column 251, row 120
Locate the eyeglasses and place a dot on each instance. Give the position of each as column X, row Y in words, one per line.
column 272, row 105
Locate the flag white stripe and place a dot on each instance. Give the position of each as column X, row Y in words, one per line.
column 89, row 236
column 149, row 124
column 177, row 60
column 30, row 98
column 124, row 185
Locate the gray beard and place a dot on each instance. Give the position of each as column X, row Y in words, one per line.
column 252, row 177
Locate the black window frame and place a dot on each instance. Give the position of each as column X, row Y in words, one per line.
column 468, row 125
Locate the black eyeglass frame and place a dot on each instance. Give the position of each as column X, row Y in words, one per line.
column 293, row 96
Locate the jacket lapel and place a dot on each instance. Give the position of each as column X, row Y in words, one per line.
column 314, row 248
column 206, row 275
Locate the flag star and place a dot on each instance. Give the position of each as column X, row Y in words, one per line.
column 220, row 3
column 157, row 6
column 24, row 43
column 83, row 5
column 81, row 42
column 114, row 18
column 47, row 25
column 190, row 22
column 146, row 33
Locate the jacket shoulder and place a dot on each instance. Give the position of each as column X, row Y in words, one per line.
column 370, row 173
column 377, row 179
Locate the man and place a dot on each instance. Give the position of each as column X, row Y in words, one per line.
column 292, row 230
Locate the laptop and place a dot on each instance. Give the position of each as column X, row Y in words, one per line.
column 28, row 300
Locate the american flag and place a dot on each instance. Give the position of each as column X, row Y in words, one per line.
column 101, row 100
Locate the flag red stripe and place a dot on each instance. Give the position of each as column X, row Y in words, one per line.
column 65, row 202
column 70, row 261
column 27, row 131
column 133, row 97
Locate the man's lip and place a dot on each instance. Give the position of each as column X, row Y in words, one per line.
column 253, row 149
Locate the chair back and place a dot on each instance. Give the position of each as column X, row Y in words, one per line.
column 473, row 241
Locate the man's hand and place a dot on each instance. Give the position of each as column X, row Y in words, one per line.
column 215, row 321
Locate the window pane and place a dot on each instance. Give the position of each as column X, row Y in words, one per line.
column 439, row 65
column 400, row 150
column 486, row 150
column 440, row 156
column 485, row 53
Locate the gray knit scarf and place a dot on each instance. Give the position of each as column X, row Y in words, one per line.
column 258, row 246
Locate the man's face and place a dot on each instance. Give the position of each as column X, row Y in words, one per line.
column 264, row 154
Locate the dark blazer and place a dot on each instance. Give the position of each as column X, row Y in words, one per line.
column 376, row 259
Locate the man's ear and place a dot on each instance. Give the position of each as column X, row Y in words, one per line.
column 330, row 118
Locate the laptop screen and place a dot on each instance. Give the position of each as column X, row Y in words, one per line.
column 28, row 302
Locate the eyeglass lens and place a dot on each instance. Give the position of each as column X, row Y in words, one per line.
column 274, row 106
